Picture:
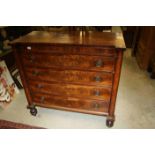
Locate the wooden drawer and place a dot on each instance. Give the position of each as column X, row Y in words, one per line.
column 79, row 91
column 73, row 104
column 70, row 76
column 96, row 63
column 87, row 50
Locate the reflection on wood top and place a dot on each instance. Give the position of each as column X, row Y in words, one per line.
column 74, row 38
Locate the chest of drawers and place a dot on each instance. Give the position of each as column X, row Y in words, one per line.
column 71, row 71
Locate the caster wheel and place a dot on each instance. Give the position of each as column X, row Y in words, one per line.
column 33, row 111
column 109, row 123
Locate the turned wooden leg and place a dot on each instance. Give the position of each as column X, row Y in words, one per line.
column 33, row 109
column 110, row 121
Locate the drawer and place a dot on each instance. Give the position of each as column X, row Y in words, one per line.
column 70, row 90
column 71, row 76
column 74, row 104
column 85, row 50
column 94, row 63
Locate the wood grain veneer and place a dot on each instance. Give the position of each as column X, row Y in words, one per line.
column 77, row 71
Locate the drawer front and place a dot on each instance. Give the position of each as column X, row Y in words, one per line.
column 88, row 106
column 80, row 91
column 96, row 63
column 71, row 76
column 111, row 52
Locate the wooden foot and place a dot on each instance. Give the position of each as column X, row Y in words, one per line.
column 33, row 110
column 110, row 121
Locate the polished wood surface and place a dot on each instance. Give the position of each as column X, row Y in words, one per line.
column 71, row 71
column 92, row 63
column 67, row 49
column 115, row 84
column 69, row 76
column 71, row 104
column 79, row 91
column 74, row 38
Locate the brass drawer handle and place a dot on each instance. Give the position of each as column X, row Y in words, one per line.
column 98, row 79
column 95, row 105
column 97, row 93
column 99, row 63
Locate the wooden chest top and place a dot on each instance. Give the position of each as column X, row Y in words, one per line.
column 107, row 39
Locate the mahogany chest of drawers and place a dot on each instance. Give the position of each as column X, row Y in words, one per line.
column 77, row 71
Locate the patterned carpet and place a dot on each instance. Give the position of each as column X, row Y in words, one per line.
column 12, row 125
